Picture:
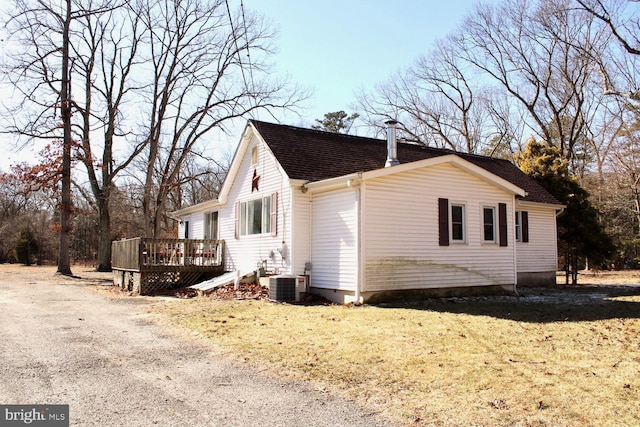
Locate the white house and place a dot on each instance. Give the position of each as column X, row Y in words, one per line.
column 370, row 219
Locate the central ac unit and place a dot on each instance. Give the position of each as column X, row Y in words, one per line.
column 282, row 288
column 287, row 288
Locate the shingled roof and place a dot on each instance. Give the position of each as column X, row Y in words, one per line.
column 313, row 155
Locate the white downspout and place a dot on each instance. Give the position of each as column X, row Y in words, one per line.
column 357, row 187
column 359, row 255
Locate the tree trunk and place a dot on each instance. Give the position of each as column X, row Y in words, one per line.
column 104, row 232
column 148, row 211
column 66, row 206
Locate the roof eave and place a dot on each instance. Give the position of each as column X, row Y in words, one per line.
column 332, row 183
column 199, row 207
column 524, row 203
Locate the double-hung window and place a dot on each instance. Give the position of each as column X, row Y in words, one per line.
column 457, row 223
column 522, row 226
column 211, row 225
column 489, row 224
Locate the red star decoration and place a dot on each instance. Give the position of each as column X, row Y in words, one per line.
column 254, row 181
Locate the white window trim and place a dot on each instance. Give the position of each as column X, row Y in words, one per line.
column 494, row 209
column 518, row 226
column 264, row 215
column 453, row 203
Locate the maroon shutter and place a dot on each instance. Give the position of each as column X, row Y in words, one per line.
column 443, row 222
column 274, row 214
column 524, row 219
column 237, row 225
column 502, row 223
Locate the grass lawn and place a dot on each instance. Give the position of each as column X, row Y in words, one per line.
column 548, row 358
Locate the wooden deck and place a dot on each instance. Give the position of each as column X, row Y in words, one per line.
column 144, row 265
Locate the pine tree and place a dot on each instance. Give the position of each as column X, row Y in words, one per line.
column 26, row 247
column 336, row 122
column 581, row 235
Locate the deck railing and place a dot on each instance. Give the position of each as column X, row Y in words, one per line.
column 143, row 253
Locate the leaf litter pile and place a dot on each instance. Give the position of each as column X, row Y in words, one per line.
column 245, row 291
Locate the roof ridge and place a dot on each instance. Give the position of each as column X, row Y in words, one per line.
column 380, row 140
column 315, row 155
column 317, row 131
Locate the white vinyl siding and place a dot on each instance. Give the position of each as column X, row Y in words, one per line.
column 539, row 254
column 248, row 250
column 401, row 239
column 300, row 231
column 333, row 240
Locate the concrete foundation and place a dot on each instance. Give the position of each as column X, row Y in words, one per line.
column 544, row 279
column 346, row 297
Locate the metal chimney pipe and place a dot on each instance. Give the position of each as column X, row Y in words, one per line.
column 392, row 145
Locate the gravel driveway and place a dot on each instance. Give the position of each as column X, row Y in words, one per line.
column 63, row 343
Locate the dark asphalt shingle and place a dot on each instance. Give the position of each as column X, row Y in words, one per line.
column 314, row 155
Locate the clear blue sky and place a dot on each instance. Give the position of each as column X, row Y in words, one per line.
column 336, row 47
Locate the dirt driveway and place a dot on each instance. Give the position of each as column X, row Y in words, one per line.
column 64, row 343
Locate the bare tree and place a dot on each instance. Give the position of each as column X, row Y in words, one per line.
column 208, row 67
column 620, row 17
column 200, row 180
column 184, row 63
column 519, row 45
column 619, row 64
column 436, row 101
column 41, row 73
column 106, row 57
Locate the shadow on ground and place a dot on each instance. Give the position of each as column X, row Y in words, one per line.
column 563, row 304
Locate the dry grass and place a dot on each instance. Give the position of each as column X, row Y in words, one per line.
column 565, row 357
column 562, row 357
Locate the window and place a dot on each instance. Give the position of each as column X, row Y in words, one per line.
column 186, row 229
column 258, row 216
column 211, row 225
column 451, row 222
column 489, row 224
column 254, row 155
column 457, row 223
column 522, row 226
column 252, row 217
